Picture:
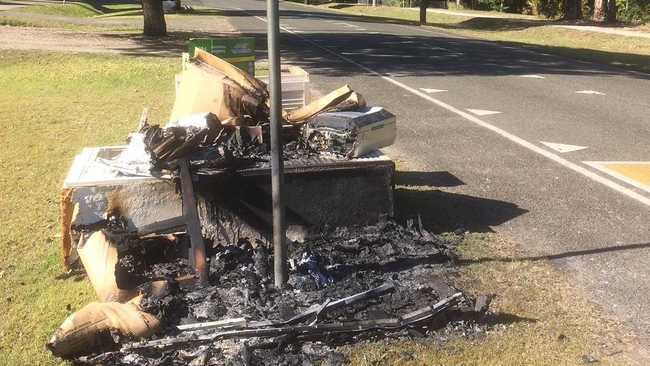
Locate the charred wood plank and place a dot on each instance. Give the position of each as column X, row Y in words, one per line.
column 191, row 215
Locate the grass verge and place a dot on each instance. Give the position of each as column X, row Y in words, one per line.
column 71, row 9
column 52, row 105
column 16, row 21
column 80, row 9
column 544, row 320
column 629, row 52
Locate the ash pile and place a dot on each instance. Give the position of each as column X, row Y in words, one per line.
column 170, row 295
column 346, row 286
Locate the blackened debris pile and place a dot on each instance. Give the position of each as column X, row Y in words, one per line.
column 346, row 286
column 220, row 120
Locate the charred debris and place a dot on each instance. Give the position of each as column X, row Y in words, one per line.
column 347, row 285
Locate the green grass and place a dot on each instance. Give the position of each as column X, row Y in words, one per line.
column 48, row 23
column 52, row 105
column 560, row 329
column 77, row 10
column 80, row 9
column 633, row 53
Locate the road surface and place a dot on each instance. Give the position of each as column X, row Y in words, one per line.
column 546, row 150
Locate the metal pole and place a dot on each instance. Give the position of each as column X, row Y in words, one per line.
column 277, row 168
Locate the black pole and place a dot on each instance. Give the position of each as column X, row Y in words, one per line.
column 277, row 168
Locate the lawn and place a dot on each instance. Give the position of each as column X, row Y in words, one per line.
column 77, row 10
column 80, row 9
column 633, row 53
column 54, row 104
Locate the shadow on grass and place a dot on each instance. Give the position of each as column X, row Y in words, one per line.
column 550, row 257
column 493, row 24
column 171, row 45
column 100, row 5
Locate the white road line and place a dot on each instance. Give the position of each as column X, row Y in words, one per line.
column 532, row 76
column 372, row 54
column 347, row 25
column 432, row 91
column 503, row 133
column 591, row 92
column 563, row 148
column 601, row 165
column 482, row 112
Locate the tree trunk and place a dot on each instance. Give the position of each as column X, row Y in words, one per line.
column 600, row 8
column 572, row 9
column 611, row 11
column 154, row 18
column 424, row 4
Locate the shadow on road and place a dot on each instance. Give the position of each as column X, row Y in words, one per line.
column 428, row 179
column 432, row 54
column 442, row 211
column 404, row 55
column 407, row 55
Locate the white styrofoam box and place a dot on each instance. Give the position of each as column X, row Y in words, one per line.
column 295, row 87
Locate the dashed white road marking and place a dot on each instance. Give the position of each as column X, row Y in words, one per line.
column 432, row 91
column 501, row 132
column 482, row 112
column 292, row 29
column 353, row 26
column 591, row 92
column 563, row 148
column 533, row 76
column 373, row 54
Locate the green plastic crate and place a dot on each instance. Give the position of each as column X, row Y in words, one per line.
column 238, row 51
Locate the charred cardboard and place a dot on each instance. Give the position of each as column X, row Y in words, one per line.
column 90, row 328
column 210, row 84
column 319, row 105
column 99, row 257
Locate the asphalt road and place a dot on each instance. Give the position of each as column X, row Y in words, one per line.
column 491, row 171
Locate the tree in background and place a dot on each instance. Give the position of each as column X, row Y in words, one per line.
column 572, row 9
column 604, row 11
column 154, row 18
column 424, row 4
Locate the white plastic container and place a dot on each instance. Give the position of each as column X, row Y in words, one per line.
column 295, row 87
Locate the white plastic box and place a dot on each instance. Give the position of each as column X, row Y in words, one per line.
column 295, row 87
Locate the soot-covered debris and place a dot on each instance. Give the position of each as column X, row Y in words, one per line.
column 408, row 272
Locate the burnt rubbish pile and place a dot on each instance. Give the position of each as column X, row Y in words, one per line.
column 226, row 124
column 346, row 286
column 170, row 294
